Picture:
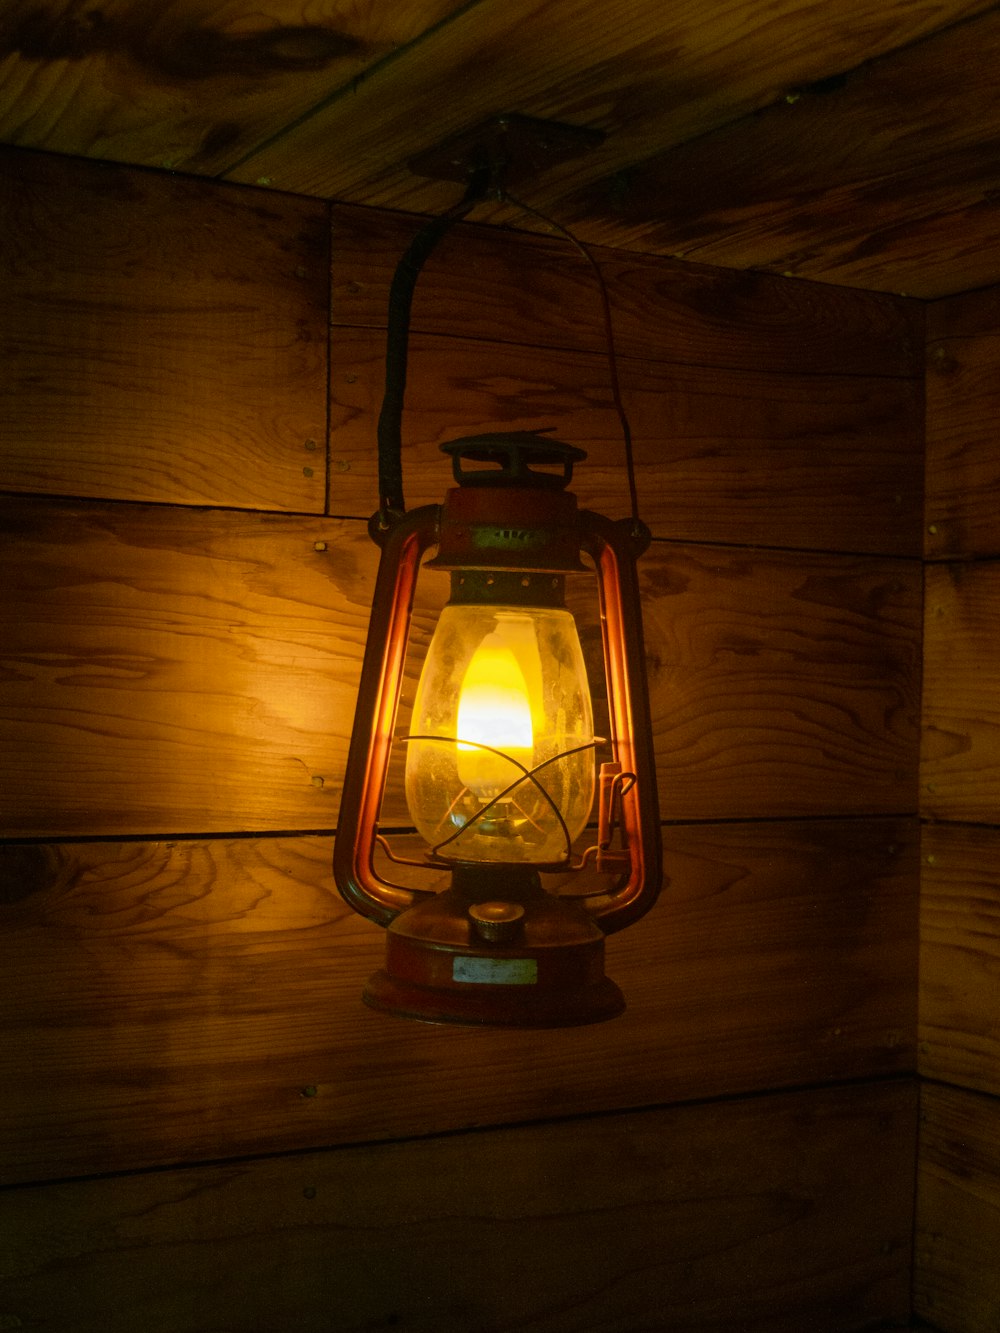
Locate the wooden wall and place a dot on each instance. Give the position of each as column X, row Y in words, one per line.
column 187, row 469
column 958, row 1239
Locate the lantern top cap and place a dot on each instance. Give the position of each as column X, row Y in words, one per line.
column 514, row 456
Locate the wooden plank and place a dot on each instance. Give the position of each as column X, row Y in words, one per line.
column 165, row 1002
column 960, row 756
column 770, row 1215
column 960, row 956
column 498, row 286
column 957, row 1278
column 785, row 189
column 169, row 670
column 651, row 77
column 196, row 85
column 165, row 340
column 963, row 476
column 782, row 684
column 173, row 671
column 736, row 456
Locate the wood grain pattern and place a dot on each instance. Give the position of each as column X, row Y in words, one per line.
column 498, row 286
column 782, row 684
column 958, row 1217
column 176, row 670
column 649, row 78
column 960, row 956
column 929, row 255
column 960, row 755
column 165, row 340
column 958, row 1211
column 715, row 1217
column 828, row 141
column 736, row 456
column 184, row 671
column 783, row 189
column 170, row 1002
column 193, row 86
column 963, row 475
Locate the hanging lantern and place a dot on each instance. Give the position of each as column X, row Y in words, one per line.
column 503, row 770
column 505, row 780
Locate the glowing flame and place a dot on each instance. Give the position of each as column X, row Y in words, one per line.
column 494, row 709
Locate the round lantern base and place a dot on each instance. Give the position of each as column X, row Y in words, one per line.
column 469, row 955
column 493, row 1006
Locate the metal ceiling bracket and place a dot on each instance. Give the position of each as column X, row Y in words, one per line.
column 512, row 147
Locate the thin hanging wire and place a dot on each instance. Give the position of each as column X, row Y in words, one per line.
column 609, row 341
column 404, row 281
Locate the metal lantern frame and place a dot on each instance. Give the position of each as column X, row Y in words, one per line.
column 497, row 948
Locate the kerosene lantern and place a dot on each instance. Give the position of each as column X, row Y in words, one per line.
column 503, row 770
column 505, row 781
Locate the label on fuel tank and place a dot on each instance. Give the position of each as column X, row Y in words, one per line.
column 496, row 971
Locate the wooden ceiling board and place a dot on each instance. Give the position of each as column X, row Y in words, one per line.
column 938, row 255
column 852, row 143
column 833, row 183
column 186, row 84
column 650, row 75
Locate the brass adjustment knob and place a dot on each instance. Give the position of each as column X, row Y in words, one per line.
column 497, row 923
